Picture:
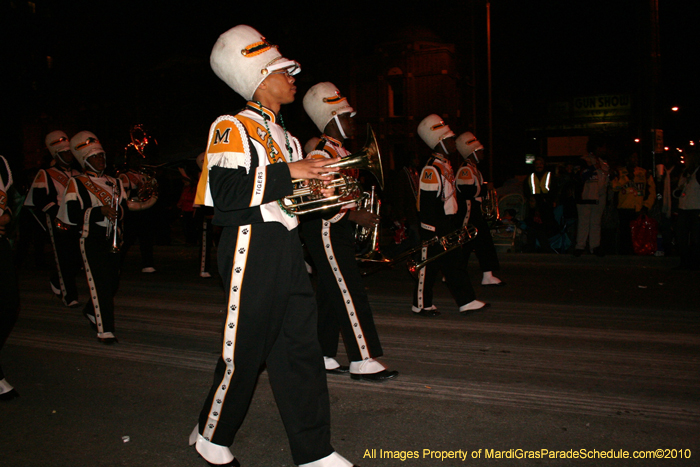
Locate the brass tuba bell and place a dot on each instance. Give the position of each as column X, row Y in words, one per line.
column 145, row 146
column 307, row 196
column 489, row 205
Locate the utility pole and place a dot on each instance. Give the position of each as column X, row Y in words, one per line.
column 654, row 60
column 488, row 66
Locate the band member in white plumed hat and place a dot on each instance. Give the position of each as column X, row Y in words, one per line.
column 437, row 209
column 343, row 306
column 243, row 58
column 94, row 203
column 45, row 197
column 471, row 190
column 248, row 170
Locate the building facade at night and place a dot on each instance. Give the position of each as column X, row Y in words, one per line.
column 403, row 81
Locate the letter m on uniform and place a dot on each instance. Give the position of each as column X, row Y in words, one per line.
column 222, row 138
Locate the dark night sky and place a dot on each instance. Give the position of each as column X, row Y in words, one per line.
column 540, row 49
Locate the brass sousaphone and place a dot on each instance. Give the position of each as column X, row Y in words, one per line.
column 489, row 204
column 145, row 146
column 307, row 196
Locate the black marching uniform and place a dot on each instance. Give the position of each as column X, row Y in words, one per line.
column 9, row 290
column 46, row 196
column 343, row 305
column 437, row 210
column 469, row 183
column 271, row 318
column 84, row 196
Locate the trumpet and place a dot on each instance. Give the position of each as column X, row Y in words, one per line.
column 308, row 197
column 448, row 242
column 113, row 226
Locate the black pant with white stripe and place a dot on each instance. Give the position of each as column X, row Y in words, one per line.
column 9, row 293
column 271, row 322
column 482, row 245
column 453, row 267
column 343, row 305
column 68, row 261
column 102, row 272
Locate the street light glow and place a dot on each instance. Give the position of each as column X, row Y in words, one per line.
column 675, row 109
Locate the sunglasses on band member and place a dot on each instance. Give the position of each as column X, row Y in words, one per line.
column 87, row 142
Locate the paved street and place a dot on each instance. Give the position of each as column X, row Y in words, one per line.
column 575, row 354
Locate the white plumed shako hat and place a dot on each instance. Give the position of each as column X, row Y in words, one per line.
column 242, row 58
column 323, row 102
column 432, row 130
column 57, row 141
column 84, row 145
column 467, row 144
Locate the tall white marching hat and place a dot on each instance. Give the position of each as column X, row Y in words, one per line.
column 323, row 102
column 243, row 58
column 467, row 144
column 57, row 141
column 84, row 145
column 432, row 130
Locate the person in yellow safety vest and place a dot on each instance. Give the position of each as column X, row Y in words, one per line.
column 540, row 181
column 540, row 193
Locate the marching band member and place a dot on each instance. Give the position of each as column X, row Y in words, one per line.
column 248, row 169
column 89, row 204
column 46, row 194
column 139, row 217
column 470, row 185
column 343, row 305
column 437, row 209
column 9, row 290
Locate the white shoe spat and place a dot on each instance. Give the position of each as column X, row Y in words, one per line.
column 366, row 367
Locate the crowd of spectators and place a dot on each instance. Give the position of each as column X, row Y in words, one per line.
column 597, row 200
